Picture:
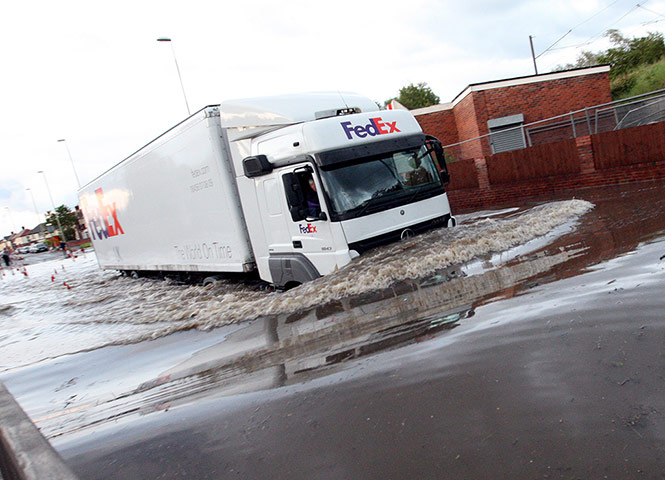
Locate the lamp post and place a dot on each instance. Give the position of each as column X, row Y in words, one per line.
column 71, row 160
column 165, row 39
column 34, row 205
column 57, row 218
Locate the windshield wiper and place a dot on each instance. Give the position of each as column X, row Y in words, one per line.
column 384, row 200
column 360, row 209
column 431, row 189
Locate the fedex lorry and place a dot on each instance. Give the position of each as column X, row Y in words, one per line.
column 292, row 187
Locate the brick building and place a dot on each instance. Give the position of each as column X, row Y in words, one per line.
column 500, row 108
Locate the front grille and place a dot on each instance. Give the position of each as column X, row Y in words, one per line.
column 395, row 235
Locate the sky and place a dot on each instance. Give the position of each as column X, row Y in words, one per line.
column 93, row 74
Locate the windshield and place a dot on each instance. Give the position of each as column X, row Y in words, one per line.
column 381, row 183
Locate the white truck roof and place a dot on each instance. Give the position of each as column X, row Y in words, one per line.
column 289, row 109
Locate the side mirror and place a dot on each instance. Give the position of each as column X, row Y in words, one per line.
column 256, row 166
column 435, row 145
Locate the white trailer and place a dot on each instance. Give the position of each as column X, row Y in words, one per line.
column 292, row 187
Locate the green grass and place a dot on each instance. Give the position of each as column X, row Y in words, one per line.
column 643, row 79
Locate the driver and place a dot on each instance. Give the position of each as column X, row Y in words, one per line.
column 312, row 199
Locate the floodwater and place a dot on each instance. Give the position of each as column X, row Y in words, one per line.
column 528, row 342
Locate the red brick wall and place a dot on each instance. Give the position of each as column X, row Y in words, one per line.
column 462, row 175
column 536, row 101
column 629, row 146
column 540, row 161
column 579, row 158
column 541, row 100
column 467, row 127
column 440, row 124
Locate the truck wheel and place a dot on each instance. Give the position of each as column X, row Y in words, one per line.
column 134, row 274
column 209, row 281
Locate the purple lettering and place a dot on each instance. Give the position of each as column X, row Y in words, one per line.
column 347, row 129
column 360, row 131
column 372, row 128
column 376, row 126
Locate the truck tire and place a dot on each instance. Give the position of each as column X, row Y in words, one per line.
column 209, row 281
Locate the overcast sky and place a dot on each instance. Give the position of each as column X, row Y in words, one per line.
column 94, row 74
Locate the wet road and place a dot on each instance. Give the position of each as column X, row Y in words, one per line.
column 544, row 361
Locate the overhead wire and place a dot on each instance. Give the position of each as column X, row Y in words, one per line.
column 602, row 32
column 599, row 34
column 649, row 10
column 655, row 13
column 644, row 24
column 576, row 26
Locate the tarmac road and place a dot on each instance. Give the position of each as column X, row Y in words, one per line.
column 551, row 366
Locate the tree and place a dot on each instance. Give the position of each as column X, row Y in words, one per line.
column 68, row 221
column 416, row 96
column 625, row 55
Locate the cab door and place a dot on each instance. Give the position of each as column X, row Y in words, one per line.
column 307, row 220
column 302, row 244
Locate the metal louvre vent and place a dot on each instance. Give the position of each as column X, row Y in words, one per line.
column 507, row 133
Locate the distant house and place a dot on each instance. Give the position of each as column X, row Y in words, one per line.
column 20, row 239
column 38, row 234
column 6, row 243
column 499, row 108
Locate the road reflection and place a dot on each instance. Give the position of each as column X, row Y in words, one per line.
column 289, row 349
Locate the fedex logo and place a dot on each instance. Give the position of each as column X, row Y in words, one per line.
column 309, row 228
column 376, row 126
column 103, row 220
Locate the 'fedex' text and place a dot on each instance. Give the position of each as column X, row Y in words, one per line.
column 103, row 220
column 309, row 228
column 376, row 126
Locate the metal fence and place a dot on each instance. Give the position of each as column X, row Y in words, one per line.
column 629, row 112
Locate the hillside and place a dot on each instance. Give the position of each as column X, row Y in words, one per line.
column 643, row 79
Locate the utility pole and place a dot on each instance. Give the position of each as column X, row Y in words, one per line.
column 533, row 55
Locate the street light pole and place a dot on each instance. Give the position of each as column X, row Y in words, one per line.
column 165, row 39
column 57, row 218
column 34, row 205
column 71, row 160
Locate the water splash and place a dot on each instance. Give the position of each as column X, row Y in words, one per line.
column 103, row 308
